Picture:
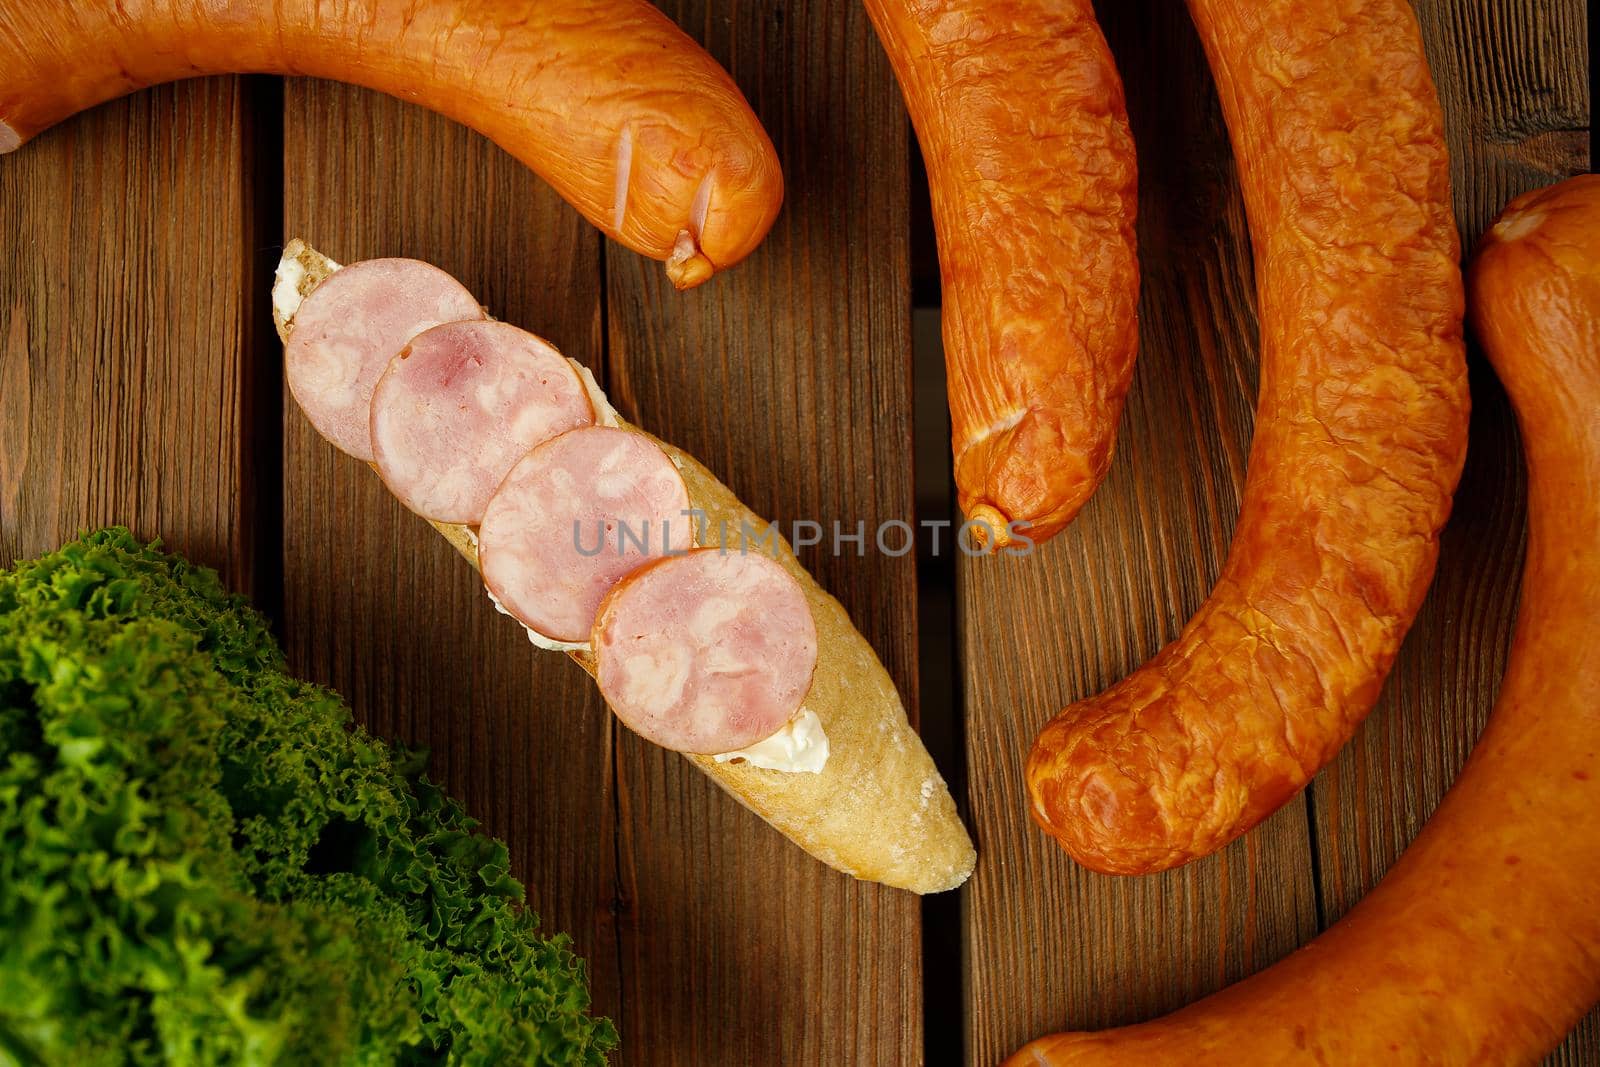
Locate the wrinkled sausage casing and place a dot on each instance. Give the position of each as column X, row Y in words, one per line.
column 1482, row 945
column 607, row 100
column 1360, row 434
column 1019, row 111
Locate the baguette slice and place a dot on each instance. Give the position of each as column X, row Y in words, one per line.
column 879, row 810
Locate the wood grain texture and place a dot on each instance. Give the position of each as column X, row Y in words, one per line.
column 378, row 605
column 123, row 340
column 1052, row 946
column 790, row 377
column 1512, row 80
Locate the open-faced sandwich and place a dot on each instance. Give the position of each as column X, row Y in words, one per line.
column 702, row 630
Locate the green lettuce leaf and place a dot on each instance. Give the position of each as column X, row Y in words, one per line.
column 203, row 862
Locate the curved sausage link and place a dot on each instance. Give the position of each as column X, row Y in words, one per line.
column 1020, row 115
column 1482, row 945
column 607, row 100
column 1360, row 436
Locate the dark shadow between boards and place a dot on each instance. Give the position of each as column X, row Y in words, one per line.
column 261, row 171
column 938, row 671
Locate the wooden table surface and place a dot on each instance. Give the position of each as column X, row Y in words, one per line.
column 140, row 383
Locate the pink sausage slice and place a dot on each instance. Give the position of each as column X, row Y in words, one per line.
column 578, row 513
column 349, row 327
column 460, row 405
column 707, row 652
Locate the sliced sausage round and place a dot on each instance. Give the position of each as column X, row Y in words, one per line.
column 460, row 405
column 574, row 516
column 349, row 327
column 706, row 652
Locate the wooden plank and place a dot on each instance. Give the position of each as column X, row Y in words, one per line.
column 123, row 330
column 1513, row 80
column 378, row 605
column 1051, row 945
column 790, row 378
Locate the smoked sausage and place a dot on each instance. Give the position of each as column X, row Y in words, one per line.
column 349, row 329
column 572, row 518
column 606, row 100
column 458, row 407
column 1019, row 111
column 709, row 651
column 1482, row 945
column 1360, row 434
